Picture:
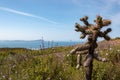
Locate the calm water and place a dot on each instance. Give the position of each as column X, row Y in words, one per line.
column 37, row 44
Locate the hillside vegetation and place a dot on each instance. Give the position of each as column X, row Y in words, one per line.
column 53, row 64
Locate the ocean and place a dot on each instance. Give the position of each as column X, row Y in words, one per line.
column 35, row 44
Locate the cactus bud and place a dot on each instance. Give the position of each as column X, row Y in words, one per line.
column 107, row 31
column 107, row 37
column 85, row 20
column 106, row 22
column 82, row 36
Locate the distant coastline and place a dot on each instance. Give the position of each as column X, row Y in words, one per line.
column 35, row 44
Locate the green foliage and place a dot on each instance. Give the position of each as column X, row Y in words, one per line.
column 117, row 38
column 23, row 64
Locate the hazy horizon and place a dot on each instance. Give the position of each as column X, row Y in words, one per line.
column 48, row 40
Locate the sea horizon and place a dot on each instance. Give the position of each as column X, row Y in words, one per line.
column 35, row 44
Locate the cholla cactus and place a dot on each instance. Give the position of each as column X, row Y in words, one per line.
column 93, row 31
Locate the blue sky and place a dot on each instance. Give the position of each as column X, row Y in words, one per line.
column 53, row 19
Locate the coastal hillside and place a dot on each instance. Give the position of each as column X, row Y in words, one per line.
column 54, row 64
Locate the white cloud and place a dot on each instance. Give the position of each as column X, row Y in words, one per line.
column 26, row 14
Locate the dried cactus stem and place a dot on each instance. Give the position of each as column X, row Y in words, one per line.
column 107, row 31
column 88, row 71
column 80, row 48
column 104, row 34
column 99, row 58
column 79, row 59
column 80, row 28
column 83, row 35
column 89, row 67
column 84, row 19
column 106, row 22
